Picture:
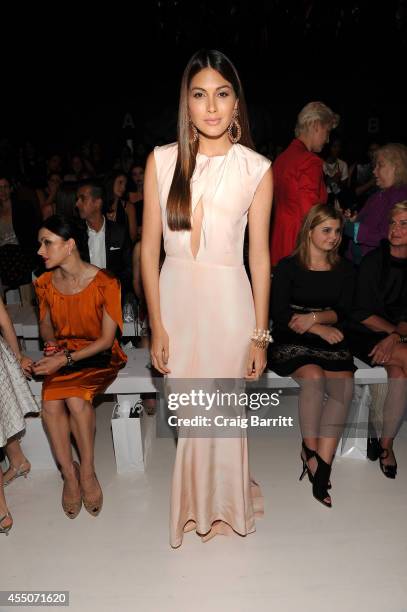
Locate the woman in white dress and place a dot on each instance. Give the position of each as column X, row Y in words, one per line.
column 204, row 316
column 16, row 400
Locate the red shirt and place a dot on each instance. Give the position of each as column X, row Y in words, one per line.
column 298, row 186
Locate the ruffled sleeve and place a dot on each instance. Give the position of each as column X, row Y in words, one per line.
column 264, row 165
column 42, row 287
column 252, row 168
column 109, row 286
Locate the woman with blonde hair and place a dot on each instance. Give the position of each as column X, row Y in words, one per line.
column 371, row 225
column 206, row 321
column 311, row 296
column 377, row 329
column 299, row 177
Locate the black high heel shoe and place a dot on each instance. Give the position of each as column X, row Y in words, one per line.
column 309, row 453
column 389, row 470
column 373, row 449
column 321, row 480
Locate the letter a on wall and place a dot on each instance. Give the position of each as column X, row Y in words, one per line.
column 128, row 121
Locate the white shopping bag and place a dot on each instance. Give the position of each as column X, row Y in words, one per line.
column 354, row 440
column 132, row 437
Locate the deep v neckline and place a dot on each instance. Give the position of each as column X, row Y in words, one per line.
column 204, row 176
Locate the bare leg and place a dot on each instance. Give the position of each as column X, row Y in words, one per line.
column 56, row 422
column 17, row 460
column 82, row 420
column 83, row 425
column 8, row 521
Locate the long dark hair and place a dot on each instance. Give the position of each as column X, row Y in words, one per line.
column 109, row 190
column 67, row 228
column 179, row 197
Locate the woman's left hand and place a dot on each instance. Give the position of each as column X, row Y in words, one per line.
column 301, row 323
column 382, row 352
column 256, row 362
column 49, row 365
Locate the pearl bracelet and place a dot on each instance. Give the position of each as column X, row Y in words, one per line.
column 261, row 338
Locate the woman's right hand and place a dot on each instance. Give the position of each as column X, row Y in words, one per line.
column 382, row 351
column 26, row 365
column 159, row 350
column 49, row 365
column 330, row 334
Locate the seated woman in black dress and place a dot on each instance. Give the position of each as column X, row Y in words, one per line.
column 311, row 294
column 378, row 327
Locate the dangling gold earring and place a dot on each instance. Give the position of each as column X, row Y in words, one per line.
column 194, row 132
column 234, row 124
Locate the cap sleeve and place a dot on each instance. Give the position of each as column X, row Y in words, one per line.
column 251, row 167
column 264, row 165
column 42, row 287
column 109, row 286
column 257, row 167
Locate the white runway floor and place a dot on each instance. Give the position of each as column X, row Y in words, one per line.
column 303, row 557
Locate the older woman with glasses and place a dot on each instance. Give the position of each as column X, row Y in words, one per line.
column 370, row 226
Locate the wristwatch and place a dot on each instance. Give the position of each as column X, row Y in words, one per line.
column 69, row 361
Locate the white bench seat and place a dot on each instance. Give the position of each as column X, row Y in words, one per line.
column 136, row 377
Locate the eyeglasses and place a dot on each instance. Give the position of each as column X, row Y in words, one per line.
column 401, row 224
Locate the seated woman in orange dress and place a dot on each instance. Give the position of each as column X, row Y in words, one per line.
column 80, row 313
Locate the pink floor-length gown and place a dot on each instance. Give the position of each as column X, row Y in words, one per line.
column 208, row 312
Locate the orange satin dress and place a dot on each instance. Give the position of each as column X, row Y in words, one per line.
column 77, row 322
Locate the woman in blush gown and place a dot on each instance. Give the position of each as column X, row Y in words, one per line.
column 207, row 322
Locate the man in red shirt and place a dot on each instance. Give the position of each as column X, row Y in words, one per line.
column 299, row 178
